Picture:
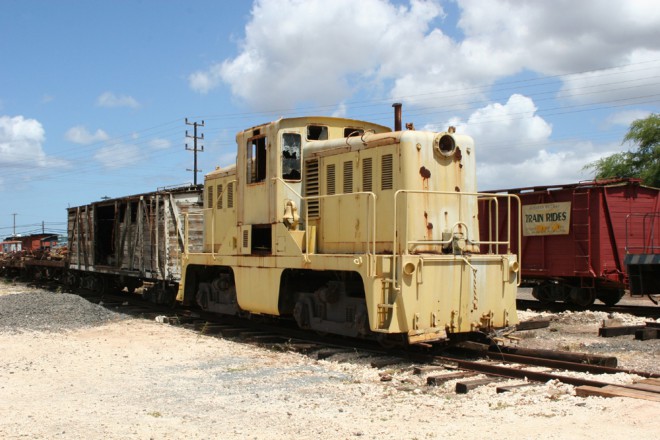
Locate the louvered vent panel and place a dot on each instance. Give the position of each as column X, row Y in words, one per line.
column 230, row 195
column 312, row 187
column 367, row 174
column 386, row 169
column 210, row 197
column 348, row 177
column 219, row 204
column 330, row 179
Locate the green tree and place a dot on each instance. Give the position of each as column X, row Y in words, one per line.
column 643, row 163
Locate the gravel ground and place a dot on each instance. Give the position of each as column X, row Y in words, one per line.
column 70, row 369
column 46, row 311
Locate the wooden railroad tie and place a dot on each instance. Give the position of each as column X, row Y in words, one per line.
column 464, row 387
column 646, row 389
column 508, row 388
column 443, row 378
column 646, row 331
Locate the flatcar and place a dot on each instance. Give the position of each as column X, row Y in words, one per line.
column 588, row 240
column 354, row 229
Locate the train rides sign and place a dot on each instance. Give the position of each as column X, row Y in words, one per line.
column 546, row 219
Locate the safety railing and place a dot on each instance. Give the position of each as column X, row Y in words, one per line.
column 492, row 201
column 493, row 241
column 370, row 243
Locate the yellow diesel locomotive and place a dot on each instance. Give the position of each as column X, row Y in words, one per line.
column 354, row 229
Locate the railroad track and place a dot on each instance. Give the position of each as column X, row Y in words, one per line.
column 469, row 364
column 652, row 312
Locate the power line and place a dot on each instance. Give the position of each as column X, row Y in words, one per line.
column 86, row 155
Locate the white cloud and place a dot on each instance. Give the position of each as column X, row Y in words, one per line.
column 505, row 133
column 160, row 144
column 315, row 52
column 119, row 155
column 544, row 168
column 322, row 52
column 318, row 51
column 205, row 81
column 340, row 111
column 21, row 142
column 561, row 36
column 80, row 135
column 635, row 82
column 626, row 117
column 109, row 99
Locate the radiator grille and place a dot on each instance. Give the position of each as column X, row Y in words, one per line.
column 230, row 195
column 209, row 194
column 386, row 169
column 330, row 179
column 367, row 174
column 312, row 187
column 348, row 177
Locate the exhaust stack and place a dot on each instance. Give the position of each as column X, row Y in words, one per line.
column 397, row 116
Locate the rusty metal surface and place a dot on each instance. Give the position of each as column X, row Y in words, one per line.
column 138, row 235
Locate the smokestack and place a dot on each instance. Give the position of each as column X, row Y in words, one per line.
column 397, row 116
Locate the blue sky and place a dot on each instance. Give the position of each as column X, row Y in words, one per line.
column 93, row 94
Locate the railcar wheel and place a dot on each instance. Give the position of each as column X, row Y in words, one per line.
column 582, row 296
column 611, row 296
column 71, row 280
column 543, row 293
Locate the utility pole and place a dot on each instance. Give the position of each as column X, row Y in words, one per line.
column 14, row 214
column 194, row 149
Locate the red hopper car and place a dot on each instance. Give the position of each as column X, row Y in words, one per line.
column 585, row 241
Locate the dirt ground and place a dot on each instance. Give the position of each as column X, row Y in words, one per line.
column 138, row 379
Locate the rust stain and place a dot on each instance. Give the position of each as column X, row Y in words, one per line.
column 429, row 226
column 458, row 155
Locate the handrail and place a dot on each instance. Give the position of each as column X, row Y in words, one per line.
column 648, row 242
column 492, row 199
column 486, row 196
column 371, row 244
column 371, row 224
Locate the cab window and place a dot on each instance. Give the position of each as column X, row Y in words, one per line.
column 291, row 156
column 317, row 132
column 256, row 159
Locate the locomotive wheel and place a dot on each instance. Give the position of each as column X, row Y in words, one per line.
column 582, row 297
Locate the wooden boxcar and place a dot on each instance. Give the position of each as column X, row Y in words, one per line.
column 575, row 237
column 130, row 241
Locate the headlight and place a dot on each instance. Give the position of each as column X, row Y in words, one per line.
column 444, row 144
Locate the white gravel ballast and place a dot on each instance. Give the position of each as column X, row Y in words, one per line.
column 70, row 370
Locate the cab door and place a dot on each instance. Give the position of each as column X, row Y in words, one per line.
column 255, row 212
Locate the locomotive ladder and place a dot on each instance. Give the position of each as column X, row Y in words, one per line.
column 581, row 231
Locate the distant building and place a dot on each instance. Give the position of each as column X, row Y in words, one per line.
column 10, row 246
column 31, row 242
